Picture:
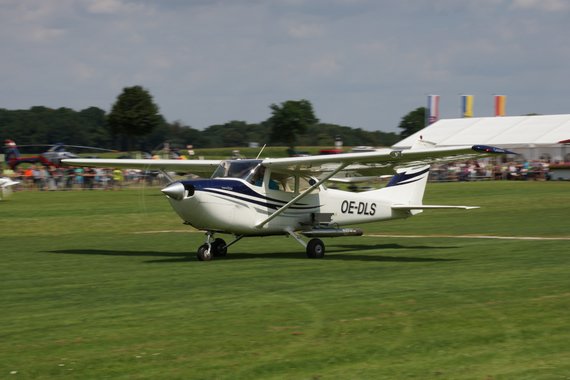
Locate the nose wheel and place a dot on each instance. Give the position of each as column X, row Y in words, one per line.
column 204, row 253
column 215, row 248
column 207, row 251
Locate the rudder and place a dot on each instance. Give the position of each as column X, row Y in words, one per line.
column 408, row 185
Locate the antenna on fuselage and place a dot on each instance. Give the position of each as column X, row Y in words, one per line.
column 259, row 154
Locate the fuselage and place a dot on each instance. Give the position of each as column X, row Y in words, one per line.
column 236, row 206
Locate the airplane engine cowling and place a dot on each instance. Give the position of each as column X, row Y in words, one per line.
column 175, row 191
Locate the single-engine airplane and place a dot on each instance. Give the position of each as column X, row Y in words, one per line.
column 288, row 196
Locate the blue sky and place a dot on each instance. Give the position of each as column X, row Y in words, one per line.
column 361, row 63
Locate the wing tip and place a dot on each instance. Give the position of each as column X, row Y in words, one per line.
column 491, row 149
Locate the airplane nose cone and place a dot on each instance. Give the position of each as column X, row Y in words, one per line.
column 175, row 191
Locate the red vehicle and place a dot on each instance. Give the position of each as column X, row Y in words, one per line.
column 330, row 151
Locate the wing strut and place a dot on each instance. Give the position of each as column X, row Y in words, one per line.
column 300, row 196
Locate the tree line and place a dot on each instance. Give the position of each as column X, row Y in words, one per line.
column 135, row 123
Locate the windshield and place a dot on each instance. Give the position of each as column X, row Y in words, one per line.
column 244, row 169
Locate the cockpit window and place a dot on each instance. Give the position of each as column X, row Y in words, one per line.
column 298, row 184
column 244, row 169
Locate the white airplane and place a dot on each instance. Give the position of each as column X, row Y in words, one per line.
column 288, row 196
column 5, row 184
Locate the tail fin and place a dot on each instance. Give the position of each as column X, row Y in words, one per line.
column 407, row 187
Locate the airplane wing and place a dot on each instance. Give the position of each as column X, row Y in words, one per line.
column 378, row 162
column 328, row 166
column 187, row 166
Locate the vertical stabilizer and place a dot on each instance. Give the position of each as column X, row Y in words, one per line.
column 408, row 185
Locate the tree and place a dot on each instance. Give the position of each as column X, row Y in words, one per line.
column 290, row 119
column 413, row 122
column 134, row 114
column 94, row 120
column 232, row 133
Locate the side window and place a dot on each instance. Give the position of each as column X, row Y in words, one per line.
column 276, row 182
column 306, row 182
column 290, row 184
column 296, row 184
column 257, row 176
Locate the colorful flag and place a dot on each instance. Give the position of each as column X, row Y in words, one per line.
column 433, row 109
column 467, row 105
column 500, row 105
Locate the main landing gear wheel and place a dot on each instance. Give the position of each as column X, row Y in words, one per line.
column 315, row 249
column 204, row 253
column 219, row 248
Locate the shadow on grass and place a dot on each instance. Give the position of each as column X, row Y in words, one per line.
column 173, row 256
column 338, row 252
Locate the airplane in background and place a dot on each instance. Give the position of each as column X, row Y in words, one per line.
column 288, row 196
column 51, row 157
column 5, row 187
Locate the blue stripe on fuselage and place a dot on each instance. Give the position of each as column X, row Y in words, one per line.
column 236, row 188
column 404, row 178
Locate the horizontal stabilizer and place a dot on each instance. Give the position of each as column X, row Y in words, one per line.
column 431, row 207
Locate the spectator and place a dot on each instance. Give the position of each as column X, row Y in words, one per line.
column 118, row 179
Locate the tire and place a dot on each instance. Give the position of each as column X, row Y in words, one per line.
column 315, row 249
column 219, row 248
column 204, row 254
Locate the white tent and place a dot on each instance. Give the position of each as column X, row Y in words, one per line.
column 534, row 137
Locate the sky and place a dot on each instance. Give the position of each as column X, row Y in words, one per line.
column 361, row 63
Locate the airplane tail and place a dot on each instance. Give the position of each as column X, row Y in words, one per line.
column 408, row 185
column 406, row 189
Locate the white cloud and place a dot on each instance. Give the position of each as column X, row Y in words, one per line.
column 83, row 72
column 358, row 61
column 41, row 34
column 542, row 5
column 112, row 6
column 325, row 66
column 306, row 30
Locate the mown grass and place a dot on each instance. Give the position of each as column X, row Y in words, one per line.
column 85, row 294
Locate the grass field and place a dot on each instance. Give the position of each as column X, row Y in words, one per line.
column 99, row 285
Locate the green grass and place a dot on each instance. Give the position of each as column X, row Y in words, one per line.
column 85, row 295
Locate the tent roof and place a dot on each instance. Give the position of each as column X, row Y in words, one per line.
column 506, row 131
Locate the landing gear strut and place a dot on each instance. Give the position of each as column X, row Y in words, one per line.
column 315, row 247
column 216, row 248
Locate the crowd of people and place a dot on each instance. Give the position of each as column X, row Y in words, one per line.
column 475, row 170
column 38, row 177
